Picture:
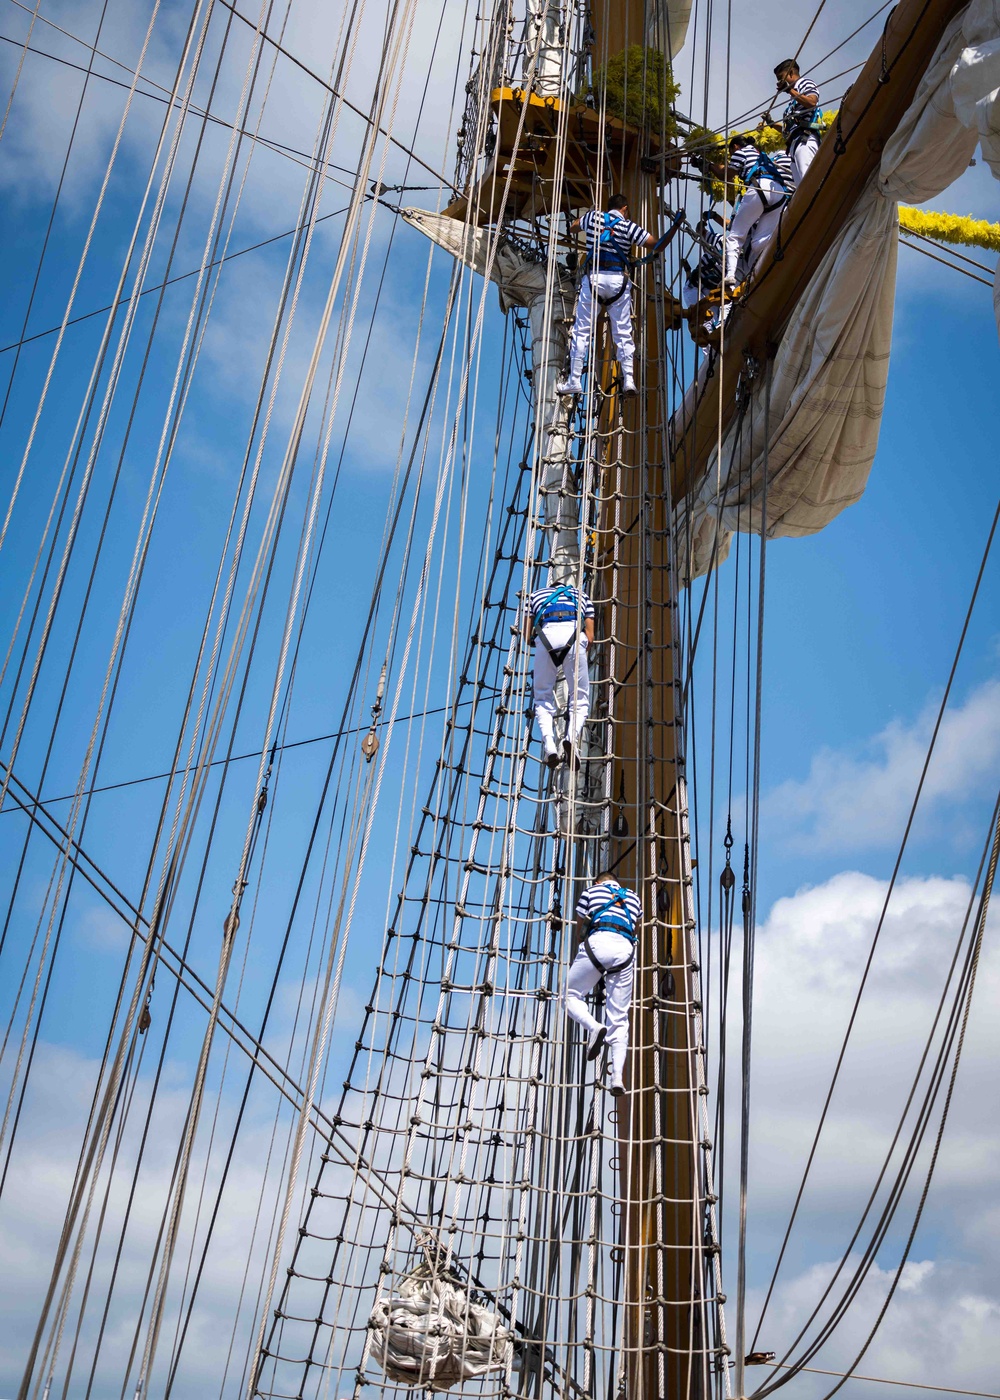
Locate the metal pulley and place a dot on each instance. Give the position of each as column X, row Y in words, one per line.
column 728, row 878
column 232, row 921
column 369, row 744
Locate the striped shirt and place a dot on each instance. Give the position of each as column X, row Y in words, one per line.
column 798, row 115
column 755, row 168
column 612, row 907
column 612, row 252
column 560, row 603
column 707, row 275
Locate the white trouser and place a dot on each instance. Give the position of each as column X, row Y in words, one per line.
column 604, row 284
column 609, row 949
column 802, row 153
column 753, row 219
column 574, row 667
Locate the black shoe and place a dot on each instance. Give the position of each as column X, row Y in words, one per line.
column 596, row 1043
column 617, row 1091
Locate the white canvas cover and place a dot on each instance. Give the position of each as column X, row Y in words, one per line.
column 828, row 378
column 429, row 1335
column 667, row 26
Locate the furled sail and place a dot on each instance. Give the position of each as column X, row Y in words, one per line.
column 431, row 1334
column 818, row 436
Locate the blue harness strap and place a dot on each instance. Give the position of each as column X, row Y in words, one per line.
column 611, row 919
column 608, row 919
column 607, row 255
column 797, row 124
column 764, row 165
column 554, row 610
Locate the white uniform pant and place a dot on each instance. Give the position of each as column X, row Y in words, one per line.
column 755, row 221
column 609, row 949
column 604, row 284
column 574, row 667
column 802, row 153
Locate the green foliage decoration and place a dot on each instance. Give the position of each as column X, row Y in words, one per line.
column 638, row 86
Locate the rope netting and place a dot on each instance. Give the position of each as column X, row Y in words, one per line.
column 336, row 990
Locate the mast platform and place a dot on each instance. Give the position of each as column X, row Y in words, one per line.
column 527, row 154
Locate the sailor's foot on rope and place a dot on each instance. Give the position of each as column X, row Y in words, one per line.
column 573, row 759
column 596, row 1042
column 551, row 756
column 617, row 1089
column 569, row 386
column 628, row 386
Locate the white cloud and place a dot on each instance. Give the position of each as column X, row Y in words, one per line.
column 942, row 1324
column 940, row 1329
column 859, row 797
column 35, row 1198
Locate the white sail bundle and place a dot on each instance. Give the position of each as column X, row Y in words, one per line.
column 431, row 1334
column 828, row 380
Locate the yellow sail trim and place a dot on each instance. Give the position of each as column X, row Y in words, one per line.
column 950, row 228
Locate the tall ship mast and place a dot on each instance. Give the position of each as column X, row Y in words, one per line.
column 336, row 1131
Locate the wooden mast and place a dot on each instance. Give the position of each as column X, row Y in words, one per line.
column 664, row 1336
column 658, row 1174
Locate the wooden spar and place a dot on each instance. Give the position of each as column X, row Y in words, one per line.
column 846, row 160
column 661, row 1237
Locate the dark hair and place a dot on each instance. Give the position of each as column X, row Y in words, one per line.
column 741, row 140
column 783, row 67
column 617, row 201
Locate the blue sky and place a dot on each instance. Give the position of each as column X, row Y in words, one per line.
column 861, row 626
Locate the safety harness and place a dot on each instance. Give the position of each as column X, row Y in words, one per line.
column 764, row 168
column 608, row 256
column 799, row 121
column 560, row 607
column 610, row 919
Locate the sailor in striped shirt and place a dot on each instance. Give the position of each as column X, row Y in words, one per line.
column 607, row 923
column 706, row 275
column 560, row 618
column 769, row 182
column 798, row 122
column 608, row 281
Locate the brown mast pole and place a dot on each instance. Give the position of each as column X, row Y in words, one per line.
column 657, row 1120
